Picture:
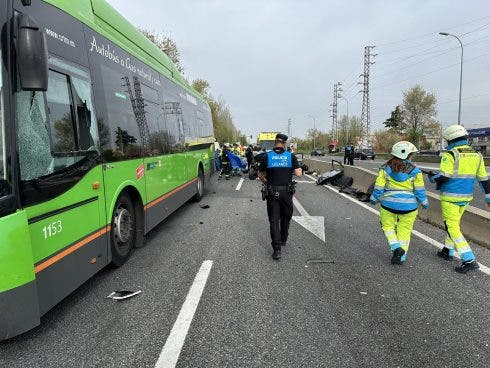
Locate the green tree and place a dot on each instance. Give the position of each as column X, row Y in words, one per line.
column 395, row 121
column 419, row 110
column 224, row 127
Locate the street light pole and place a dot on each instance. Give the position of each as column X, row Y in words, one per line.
column 460, row 74
column 314, row 130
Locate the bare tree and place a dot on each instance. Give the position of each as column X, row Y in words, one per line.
column 167, row 45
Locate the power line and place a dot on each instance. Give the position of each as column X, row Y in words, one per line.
column 425, row 35
column 428, row 51
column 433, row 71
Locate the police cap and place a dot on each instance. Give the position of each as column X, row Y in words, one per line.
column 282, row 137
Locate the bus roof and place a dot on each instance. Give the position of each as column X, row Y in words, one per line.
column 104, row 19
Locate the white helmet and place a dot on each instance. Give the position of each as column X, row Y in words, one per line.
column 402, row 149
column 453, row 132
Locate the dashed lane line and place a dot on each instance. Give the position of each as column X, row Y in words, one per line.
column 483, row 268
column 239, row 186
column 175, row 341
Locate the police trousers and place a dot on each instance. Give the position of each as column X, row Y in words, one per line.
column 280, row 212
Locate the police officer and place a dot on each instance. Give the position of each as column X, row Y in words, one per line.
column 276, row 170
column 460, row 166
column 225, row 162
column 346, row 154
column 352, row 154
column 249, row 155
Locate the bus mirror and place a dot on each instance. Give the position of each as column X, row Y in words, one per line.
column 32, row 55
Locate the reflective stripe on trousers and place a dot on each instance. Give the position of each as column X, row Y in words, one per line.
column 397, row 228
column 452, row 213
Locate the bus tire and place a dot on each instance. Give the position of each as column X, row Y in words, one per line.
column 200, row 186
column 123, row 230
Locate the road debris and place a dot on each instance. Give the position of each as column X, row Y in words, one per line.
column 123, row 294
column 204, row 206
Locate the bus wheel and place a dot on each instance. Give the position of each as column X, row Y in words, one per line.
column 200, row 187
column 123, row 234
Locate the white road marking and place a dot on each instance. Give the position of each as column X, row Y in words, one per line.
column 175, row 341
column 239, row 186
column 299, row 207
column 314, row 224
column 483, row 268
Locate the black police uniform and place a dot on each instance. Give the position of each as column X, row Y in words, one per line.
column 279, row 166
column 225, row 163
column 352, row 154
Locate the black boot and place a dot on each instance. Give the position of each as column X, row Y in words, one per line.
column 444, row 254
column 467, row 266
column 276, row 255
column 397, row 256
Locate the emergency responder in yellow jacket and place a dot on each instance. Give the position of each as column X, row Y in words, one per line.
column 399, row 187
column 460, row 166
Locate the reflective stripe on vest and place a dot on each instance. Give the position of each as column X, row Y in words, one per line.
column 460, row 186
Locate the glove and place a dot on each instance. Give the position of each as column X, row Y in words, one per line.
column 373, row 200
column 425, row 204
column 432, row 176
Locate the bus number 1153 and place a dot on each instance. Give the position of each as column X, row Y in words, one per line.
column 52, row 229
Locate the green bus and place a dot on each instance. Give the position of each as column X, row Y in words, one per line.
column 101, row 138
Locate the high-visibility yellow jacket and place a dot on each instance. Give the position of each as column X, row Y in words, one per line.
column 400, row 191
column 460, row 167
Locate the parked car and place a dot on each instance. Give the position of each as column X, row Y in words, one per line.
column 318, row 152
column 364, row 154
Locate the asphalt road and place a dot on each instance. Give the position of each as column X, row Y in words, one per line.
column 373, row 165
column 359, row 311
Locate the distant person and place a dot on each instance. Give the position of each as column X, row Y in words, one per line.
column 225, row 163
column 346, row 154
column 460, row 167
column 352, row 153
column 249, row 155
column 398, row 187
column 276, row 170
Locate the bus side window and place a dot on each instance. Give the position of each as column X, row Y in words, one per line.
column 87, row 125
column 60, row 114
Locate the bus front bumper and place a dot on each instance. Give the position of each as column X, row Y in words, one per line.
column 19, row 310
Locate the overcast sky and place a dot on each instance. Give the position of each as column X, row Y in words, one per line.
column 277, row 59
